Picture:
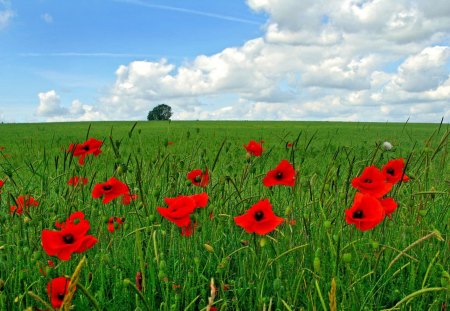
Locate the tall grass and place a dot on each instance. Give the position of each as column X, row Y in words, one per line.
column 314, row 261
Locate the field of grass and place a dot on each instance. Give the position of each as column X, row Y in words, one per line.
column 313, row 261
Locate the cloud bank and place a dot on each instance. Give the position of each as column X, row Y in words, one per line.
column 318, row 60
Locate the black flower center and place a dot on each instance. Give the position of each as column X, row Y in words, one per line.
column 259, row 215
column 368, row 180
column 279, row 175
column 60, row 296
column 390, row 171
column 197, row 178
column 107, row 188
column 68, row 238
column 358, row 214
column 86, row 148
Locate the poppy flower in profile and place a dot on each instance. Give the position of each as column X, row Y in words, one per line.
column 254, row 148
column 372, row 181
column 259, row 219
column 23, row 202
column 111, row 189
column 389, row 206
column 115, row 223
column 393, row 171
column 283, row 174
column 72, row 238
column 365, row 213
column 74, row 181
column 1, row 185
column 179, row 210
column 57, row 289
column 91, row 146
column 198, row 177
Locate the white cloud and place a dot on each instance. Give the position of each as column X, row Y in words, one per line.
column 321, row 60
column 46, row 17
column 51, row 109
column 50, row 105
column 5, row 17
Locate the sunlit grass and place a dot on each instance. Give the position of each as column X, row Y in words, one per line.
column 403, row 260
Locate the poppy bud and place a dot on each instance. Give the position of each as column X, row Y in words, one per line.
column 316, row 265
column 375, row 244
column 287, row 211
column 162, row 265
column 347, row 257
column 327, row 224
column 263, row 242
column 209, row 248
column 162, row 275
column 423, row 212
column 197, row 261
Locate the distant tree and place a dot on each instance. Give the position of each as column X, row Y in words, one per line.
column 160, row 112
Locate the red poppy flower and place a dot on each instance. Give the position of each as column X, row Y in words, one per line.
column 91, row 146
column 365, row 213
column 23, row 203
column 1, row 183
column 111, row 189
column 372, row 182
column 254, row 148
column 115, row 223
column 389, row 206
column 201, row 200
column 283, row 174
column 57, row 289
column 393, row 171
column 259, row 219
column 179, row 210
column 289, row 145
column 198, row 178
column 77, row 180
column 71, row 239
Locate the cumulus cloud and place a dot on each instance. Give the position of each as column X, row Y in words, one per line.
column 319, row 60
column 51, row 109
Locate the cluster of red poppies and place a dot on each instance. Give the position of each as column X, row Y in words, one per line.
column 369, row 208
column 370, row 205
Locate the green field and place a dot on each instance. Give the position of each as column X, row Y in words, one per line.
column 403, row 263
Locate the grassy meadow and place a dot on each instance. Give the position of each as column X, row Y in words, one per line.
column 313, row 261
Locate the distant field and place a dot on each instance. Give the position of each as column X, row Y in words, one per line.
column 402, row 263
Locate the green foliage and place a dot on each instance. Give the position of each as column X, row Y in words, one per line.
column 290, row 268
column 160, row 112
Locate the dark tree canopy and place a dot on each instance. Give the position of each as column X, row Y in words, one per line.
column 160, row 112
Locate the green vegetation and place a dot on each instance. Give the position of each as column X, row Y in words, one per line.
column 402, row 263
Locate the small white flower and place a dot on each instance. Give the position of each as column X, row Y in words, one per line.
column 387, row 146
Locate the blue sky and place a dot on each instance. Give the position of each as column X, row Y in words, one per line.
column 257, row 60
